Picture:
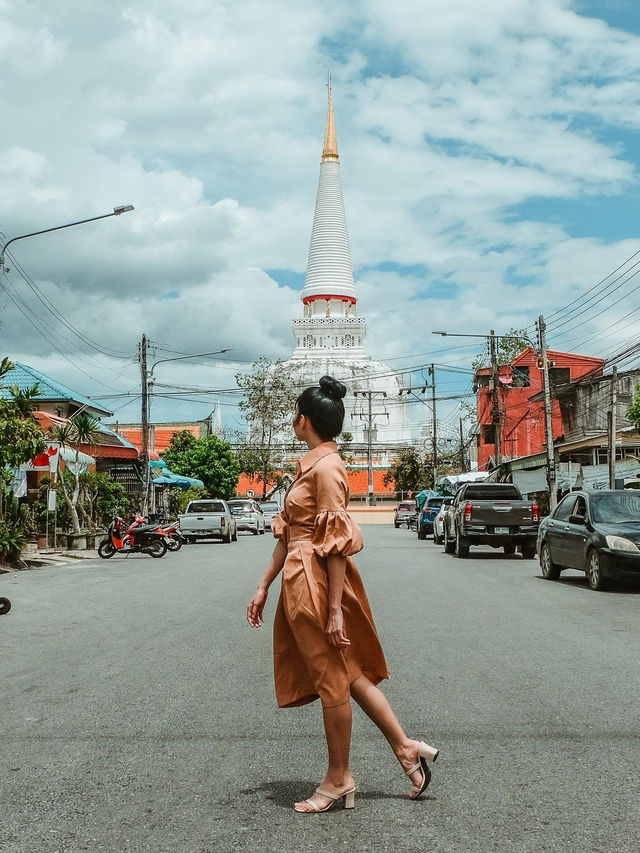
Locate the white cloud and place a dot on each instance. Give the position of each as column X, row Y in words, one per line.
column 209, row 116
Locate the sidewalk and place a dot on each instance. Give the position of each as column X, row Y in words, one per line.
column 48, row 557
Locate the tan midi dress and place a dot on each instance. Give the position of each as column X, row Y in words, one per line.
column 315, row 524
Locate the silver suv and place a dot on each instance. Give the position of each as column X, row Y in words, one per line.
column 248, row 515
column 270, row 510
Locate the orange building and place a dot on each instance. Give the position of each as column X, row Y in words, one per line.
column 521, row 418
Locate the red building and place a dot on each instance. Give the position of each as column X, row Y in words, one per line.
column 521, row 418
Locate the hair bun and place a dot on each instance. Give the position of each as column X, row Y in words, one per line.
column 332, row 388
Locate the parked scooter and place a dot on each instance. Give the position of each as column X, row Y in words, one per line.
column 169, row 530
column 175, row 539
column 5, row 605
column 138, row 538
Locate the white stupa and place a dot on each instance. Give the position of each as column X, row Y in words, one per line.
column 330, row 336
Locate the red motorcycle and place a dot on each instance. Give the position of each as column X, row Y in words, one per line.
column 137, row 538
column 169, row 530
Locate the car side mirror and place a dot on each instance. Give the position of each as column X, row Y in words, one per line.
column 577, row 519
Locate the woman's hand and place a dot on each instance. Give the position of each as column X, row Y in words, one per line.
column 256, row 606
column 335, row 629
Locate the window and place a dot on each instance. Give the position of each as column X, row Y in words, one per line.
column 206, row 506
column 308, row 340
column 564, row 508
column 580, row 507
column 521, row 377
column 488, row 434
column 348, row 340
column 559, row 376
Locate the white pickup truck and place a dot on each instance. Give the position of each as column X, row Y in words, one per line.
column 208, row 519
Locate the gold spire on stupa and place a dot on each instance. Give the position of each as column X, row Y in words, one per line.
column 330, row 150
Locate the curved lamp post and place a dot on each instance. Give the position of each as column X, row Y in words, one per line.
column 123, row 208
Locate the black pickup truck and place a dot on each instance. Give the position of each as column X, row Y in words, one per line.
column 491, row 514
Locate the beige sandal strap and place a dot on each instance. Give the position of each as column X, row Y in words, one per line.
column 413, row 769
column 324, row 793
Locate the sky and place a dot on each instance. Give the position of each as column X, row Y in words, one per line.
column 490, row 165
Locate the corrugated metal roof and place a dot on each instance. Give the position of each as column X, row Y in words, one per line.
column 24, row 377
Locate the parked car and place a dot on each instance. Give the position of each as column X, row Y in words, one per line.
column 208, row 519
column 491, row 514
column 404, row 511
column 427, row 515
column 438, row 521
column 270, row 509
column 594, row 532
column 248, row 515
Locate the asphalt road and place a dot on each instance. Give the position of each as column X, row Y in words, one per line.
column 137, row 710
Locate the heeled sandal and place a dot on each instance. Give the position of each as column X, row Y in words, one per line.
column 349, row 798
column 425, row 753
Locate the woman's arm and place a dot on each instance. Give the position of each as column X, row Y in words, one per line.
column 336, row 567
column 257, row 603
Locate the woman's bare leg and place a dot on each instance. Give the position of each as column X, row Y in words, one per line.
column 337, row 728
column 376, row 706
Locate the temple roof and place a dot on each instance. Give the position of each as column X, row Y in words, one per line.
column 329, row 271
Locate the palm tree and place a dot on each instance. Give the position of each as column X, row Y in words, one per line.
column 83, row 429
column 23, row 399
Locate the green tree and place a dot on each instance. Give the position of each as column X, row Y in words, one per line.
column 268, row 405
column 20, row 436
column 411, row 472
column 208, row 459
column 633, row 411
column 20, row 440
column 83, row 429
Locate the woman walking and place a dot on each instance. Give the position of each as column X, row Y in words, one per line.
column 325, row 642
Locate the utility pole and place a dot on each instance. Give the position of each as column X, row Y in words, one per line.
column 495, row 398
column 434, row 436
column 463, row 461
column 551, row 458
column 613, row 426
column 145, row 424
column 369, row 417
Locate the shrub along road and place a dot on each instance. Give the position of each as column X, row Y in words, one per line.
column 138, row 713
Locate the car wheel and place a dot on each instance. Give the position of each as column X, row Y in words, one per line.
column 227, row 538
column 509, row 549
column 550, row 571
column 461, row 546
column 5, row 605
column 596, row 579
column 396, row 525
column 528, row 552
column 449, row 546
column 421, row 533
column 437, row 540
column 235, row 535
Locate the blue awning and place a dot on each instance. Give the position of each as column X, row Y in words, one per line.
column 168, row 478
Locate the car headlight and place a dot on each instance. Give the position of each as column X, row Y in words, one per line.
column 619, row 543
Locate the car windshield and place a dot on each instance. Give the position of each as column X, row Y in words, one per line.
column 434, row 503
column 406, row 507
column 240, row 504
column 270, row 507
column 206, row 506
column 616, row 508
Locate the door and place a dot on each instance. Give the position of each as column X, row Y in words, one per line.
column 556, row 530
column 576, row 536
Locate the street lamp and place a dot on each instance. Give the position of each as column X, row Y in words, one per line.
column 147, row 377
column 117, row 211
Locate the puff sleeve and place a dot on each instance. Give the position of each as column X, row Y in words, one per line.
column 280, row 526
column 335, row 533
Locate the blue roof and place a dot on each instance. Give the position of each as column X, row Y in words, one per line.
column 121, row 439
column 24, row 377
